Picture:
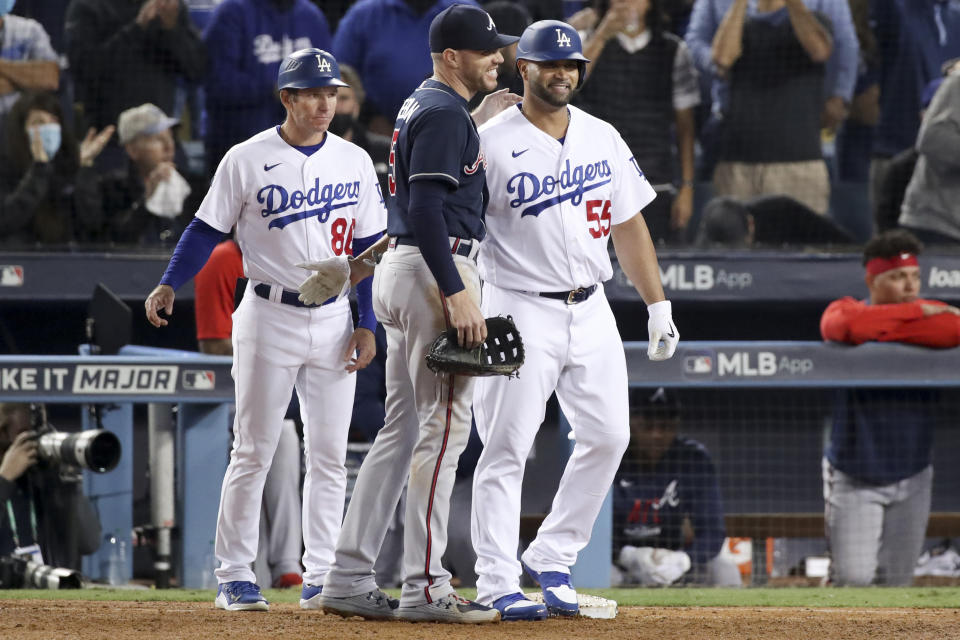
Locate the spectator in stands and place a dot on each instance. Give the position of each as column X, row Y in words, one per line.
column 897, row 174
column 46, row 511
column 930, row 206
column 386, row 42
column 774, row 221
column 841, row 68
column 346, row 124
column 124, row 53
column 149, row 201
column 770, row 139
column 642, row 80
column 877, row 472
column 250, row 38
column 915, row 39
column 27, row 60
column 850, row 199
column 667, row 508
column 49, row 190
column 281, row 540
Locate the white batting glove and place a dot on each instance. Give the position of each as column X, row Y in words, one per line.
column 331, row 277
column 660, row 327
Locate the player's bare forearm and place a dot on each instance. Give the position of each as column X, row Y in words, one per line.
column 362, row 266
column 361, row 350
column 638, row 258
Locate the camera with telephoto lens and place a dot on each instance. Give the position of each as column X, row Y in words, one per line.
column 21, row 572
column 96, row 450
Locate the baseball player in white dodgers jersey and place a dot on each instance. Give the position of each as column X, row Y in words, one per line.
column 426, row 281
column 296, row 194
column 561, row 183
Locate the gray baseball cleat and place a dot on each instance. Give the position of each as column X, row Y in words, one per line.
column 450, row 608
column 373, row 605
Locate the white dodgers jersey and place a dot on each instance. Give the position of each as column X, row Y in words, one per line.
column 289, row 207
column 552, row 205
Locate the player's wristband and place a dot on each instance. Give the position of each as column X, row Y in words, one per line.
column 367, row 319
column 662, row 309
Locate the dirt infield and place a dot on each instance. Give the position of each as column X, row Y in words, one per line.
column 73, row 620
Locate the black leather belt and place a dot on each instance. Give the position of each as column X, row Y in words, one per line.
column 460, row 246
column 571, row 297
column 291, row 298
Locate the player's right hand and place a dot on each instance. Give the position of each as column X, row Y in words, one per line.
column 21, row 455
column 160, row 298
column 466, row 318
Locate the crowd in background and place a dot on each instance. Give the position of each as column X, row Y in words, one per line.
column 765, row 122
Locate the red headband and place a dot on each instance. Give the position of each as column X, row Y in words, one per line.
column 876, row 266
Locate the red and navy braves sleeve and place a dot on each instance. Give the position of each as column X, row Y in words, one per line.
column 854, row 322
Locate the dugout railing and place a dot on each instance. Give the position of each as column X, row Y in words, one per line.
column 760, row 407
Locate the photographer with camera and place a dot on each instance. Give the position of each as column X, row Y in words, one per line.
column 43, row 512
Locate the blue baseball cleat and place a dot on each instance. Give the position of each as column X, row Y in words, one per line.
column 310, row 596
column 515, row 606
column 240, row 595
column 558, row 594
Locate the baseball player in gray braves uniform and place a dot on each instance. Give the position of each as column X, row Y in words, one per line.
column 561, row 183
column 426, row 281
column 297, row 194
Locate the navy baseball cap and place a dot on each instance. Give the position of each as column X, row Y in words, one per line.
column 464, row 26
column 655, row 403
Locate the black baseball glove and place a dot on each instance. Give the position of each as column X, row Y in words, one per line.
column 501, row 354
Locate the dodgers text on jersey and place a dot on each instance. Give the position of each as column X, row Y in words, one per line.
column 572, row 184
column 276, row 200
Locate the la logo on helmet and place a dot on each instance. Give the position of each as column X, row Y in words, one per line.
column 563, row 40
column 322, row 63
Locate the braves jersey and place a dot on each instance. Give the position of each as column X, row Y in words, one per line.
column 435, row 139
column 290, row 207
column 552, row 204
column 651, row 503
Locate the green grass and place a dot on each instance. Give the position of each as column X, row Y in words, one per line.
column 922, row 597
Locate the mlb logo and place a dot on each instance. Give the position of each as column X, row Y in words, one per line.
column 199, row 380
column 698, row 365
column 11, row 275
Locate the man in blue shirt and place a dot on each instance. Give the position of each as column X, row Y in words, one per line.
column 386, row 42
column 250, row 38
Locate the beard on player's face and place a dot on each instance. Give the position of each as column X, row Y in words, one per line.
column 553, row 82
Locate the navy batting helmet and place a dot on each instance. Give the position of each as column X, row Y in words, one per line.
column 552, row 40
column 309, row 68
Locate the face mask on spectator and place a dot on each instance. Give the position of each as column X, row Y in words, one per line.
column 341, row 123
column 49, row 135
column 6, row 6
